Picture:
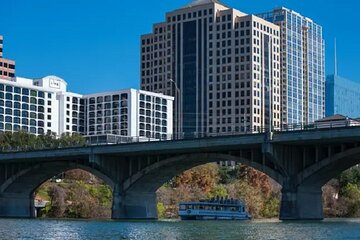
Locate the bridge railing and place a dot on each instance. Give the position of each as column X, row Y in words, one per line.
column 318, row 125
column 109, row 139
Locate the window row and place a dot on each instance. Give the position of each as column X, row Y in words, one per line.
column 107, row 127
column 157, row 100
column 24, row 121
column 10, row 127
column 115, row 132
column 150, row 127
column 108, row 120
column 102, row 106
column 149, row 106
column 149, row 113
column 26, row 114
column 32, row 100
column 23, row 91
column 108, row 113
column 157, row 121
column 150, row 134
column 108, row 98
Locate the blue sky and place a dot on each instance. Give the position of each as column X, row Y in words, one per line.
column 94, row 45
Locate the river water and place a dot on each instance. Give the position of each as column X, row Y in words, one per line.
column 259, row 229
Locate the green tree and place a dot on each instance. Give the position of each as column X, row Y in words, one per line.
column 351, row 175
column 218, row 191
column 161, row 210
column 351, row 193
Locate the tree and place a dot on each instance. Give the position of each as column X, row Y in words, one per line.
column 351, row 175
column 57, row 197
column 218, row 191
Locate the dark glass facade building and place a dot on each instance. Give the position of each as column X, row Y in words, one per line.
column 342, row 97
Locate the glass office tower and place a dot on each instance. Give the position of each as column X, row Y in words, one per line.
column 342, row 97
column 302, row 66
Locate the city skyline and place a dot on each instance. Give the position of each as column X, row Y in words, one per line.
column 116, row 55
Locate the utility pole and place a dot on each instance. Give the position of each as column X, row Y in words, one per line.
column 177, row 103
column 270, row 129
column 335, row 59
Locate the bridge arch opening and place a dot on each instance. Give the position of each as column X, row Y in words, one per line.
column 58, row 190
column 198, row 176
column 260, row 193
column 341, row 195
column 336, row 177
column 73, row 194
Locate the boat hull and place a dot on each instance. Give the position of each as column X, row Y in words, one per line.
column 206, row 215
column 214, row 218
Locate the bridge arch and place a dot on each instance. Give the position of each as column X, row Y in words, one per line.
column 138, row 198
column 17, row 192
column 318, row 174
column 154, row 176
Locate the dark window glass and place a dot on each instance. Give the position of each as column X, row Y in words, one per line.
column 17, row 90
column 8, row 96
column 32, row 122
column 25, row 91
column 9, row 89
column 33, row 130
column 25, row 106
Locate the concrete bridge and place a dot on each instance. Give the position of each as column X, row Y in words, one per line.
column 301, row 161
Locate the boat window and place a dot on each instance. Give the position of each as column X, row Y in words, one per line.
column 182, row 207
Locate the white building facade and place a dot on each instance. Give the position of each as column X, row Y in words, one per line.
column 129, row 113
column 42, row 106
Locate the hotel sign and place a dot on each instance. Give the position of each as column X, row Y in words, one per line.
column 54, row 83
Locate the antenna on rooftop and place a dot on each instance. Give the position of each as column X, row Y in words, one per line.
column 335, row 59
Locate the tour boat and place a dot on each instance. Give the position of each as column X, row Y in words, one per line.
column 214, row 209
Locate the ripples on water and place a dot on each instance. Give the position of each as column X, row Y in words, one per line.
column 65, row 229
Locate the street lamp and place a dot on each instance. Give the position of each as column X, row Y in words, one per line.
column 269, row 89
column 177, row 96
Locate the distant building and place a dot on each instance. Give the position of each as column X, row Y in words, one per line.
column 335, row 121
column 43, row 105
column 342, row 97
column 222, row 66
column 302, row 66
column 7, row 67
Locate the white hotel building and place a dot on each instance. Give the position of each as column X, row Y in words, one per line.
column 43, row 105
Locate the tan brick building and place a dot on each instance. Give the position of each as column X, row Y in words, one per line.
column 7, row 67
column 222, row 66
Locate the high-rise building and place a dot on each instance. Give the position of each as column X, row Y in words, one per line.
column 342, row 97
column 44, row 105
column 7, row 67
column 222, row 66
column 302, row 66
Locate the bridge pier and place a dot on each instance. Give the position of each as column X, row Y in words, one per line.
column 134, row 205
column 301, row 203
column 17, row 206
